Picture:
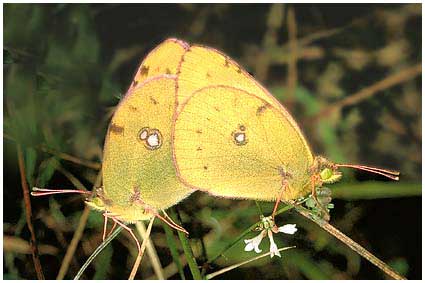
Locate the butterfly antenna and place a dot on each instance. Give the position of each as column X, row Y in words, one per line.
column 394, row 175
column 38, row 192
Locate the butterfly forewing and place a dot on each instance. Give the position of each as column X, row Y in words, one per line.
column 138, row 165
column 164, row 59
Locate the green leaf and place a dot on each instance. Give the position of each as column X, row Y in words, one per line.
column 47, row 169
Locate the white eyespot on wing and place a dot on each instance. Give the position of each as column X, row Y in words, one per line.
column 153, row 140
column 239, row 138
column 143, row 134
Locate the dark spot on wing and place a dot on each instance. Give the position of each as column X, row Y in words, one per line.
column 168, row 71
column 205, row 167
column 116, row 129
column 132, row 108
column 144, row 70
column 199, row 131
column 262, row 108
column 242, row 128
column 239, row 70
column 135, row 83
column 153, row 100
column 217, row 109
column 226, row 62
column 208, row 75
column 199, row 148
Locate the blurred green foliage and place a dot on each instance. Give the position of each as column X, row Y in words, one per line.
column 66, row 66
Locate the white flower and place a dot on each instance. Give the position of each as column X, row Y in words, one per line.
column 252, row 244
column 268, row 226
column 288, row 229
column 273, row 247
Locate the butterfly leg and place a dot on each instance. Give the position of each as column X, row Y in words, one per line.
column 128, row 229
column 322, row 209
column 279, row 198
column 112, row 229
column 167, row 220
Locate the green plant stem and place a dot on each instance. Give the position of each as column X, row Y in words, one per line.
column 259, row 208
column 173, row 249
column 191, row 261
column 97, row 251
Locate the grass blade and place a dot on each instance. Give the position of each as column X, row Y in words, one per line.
column 97, row 251
column 191, row 261
column 173, row 249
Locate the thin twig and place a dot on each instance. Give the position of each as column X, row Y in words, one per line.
column 28, row 213
column 69, row 176
column 68, row 157
column 156, row 264
column 77, row 236
column 221, row 271
column 390, row 81
column 141, row 251
column 350, row 243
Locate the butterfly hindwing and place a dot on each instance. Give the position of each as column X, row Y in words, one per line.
column 235, row 144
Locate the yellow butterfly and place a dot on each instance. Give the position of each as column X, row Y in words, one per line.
column 193, row 119
column 232, row 138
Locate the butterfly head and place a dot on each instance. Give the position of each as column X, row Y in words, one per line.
column 328, row 172
column 96, row 200
column 325, row 171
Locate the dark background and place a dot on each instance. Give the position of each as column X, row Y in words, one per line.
column 66, row 66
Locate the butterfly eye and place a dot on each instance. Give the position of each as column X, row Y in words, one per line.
column 151, row 137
